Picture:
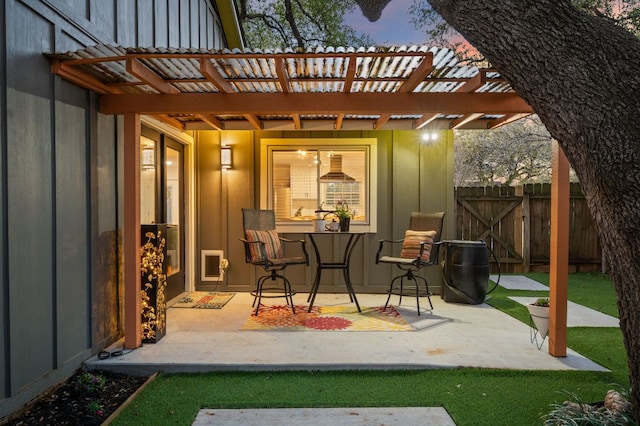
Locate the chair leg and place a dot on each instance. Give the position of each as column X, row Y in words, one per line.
column 388, row 298
column 257, row 290
column 288, row 293
column 286, row 287
column 258, row 297
column 416, row 279
column 426, row 292
column 391, row 290
column 417, row 294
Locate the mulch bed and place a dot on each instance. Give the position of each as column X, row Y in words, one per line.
column 86, row 398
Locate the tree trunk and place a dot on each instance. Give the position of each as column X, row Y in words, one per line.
column 581, row 75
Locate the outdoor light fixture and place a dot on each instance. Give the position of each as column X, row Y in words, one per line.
column 148, row 157
column 428, row 137
column 225, row 157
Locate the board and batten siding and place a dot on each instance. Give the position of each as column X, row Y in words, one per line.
column 60, row 161
column 411, row 176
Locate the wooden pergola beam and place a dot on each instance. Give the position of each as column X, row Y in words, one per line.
column 283, row 78
column 424, row 120
column 213, row 76
column 83, row 79
column 145, row 74
column 456, row 124
column 315, row 103
column 509, row 118
column 297, row 123
column 418, row 75
column 350, row 74
column 212, row 121
column 339, row 121
column 170, row 121
column 475, row 82
column 381, row 121
column 254, row 120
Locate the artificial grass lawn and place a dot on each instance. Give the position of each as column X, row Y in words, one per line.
column 471, row 396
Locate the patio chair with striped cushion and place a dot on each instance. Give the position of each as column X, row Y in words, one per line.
column 263, row 247
column 420, row 248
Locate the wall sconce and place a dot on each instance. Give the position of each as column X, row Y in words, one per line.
column 225, row 157
column 148, row 157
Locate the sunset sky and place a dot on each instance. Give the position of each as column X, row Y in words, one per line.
column 393, row 27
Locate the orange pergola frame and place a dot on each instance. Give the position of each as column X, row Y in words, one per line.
column 152, row 82
column 559, row 252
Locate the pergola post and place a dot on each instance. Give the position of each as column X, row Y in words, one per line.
column 559, row 252
column 131, row 232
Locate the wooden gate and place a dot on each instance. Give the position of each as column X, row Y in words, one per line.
column 514, row 222
column 494, row 215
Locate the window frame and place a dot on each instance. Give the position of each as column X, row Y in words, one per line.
column 268, row 145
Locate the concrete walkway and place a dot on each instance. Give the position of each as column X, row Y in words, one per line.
column 578, row 315
column 518, row 282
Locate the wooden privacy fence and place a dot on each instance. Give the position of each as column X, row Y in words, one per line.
column 515, row 223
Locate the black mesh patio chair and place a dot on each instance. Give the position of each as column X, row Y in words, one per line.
column 420, row 248
column 263, row 247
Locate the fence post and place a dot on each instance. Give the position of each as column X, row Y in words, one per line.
column 526, row 231
column 518, row 232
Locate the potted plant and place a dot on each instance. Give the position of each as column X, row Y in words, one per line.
column 539, row 311
column 344, row 214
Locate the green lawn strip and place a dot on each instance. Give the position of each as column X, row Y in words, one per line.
column 471, row 396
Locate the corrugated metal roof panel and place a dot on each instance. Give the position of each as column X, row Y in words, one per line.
column 317, row 70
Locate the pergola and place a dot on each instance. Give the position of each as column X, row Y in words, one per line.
column 394, row 88
column 338, row 89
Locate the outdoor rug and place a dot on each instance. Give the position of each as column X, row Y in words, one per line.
column 204, row 300
column 327, row 318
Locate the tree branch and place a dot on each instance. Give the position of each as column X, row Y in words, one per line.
column 293, row 24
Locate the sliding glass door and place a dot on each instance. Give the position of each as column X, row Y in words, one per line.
column 162, row 199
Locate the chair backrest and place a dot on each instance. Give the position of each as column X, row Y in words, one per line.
column 259, row 220
column 427, row 222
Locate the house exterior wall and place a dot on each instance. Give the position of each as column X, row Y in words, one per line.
column 411, row 176
column 60, row 162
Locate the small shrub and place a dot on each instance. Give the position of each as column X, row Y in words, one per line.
column 615, row 410
column 89, row 383
column 95, row 409
column 541, row 301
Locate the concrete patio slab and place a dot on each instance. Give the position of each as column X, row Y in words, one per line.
column 449, row 336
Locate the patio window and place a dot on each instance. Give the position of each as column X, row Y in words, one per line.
column 306, row 175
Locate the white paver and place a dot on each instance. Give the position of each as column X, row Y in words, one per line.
column 388, row 416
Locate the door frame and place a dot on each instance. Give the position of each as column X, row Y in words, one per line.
column 167, row 143
column 187, row 141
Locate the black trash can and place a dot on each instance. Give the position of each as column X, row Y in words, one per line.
column 466, row 272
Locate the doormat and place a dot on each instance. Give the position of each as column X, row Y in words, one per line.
column 204, row 300
column 327, row 318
